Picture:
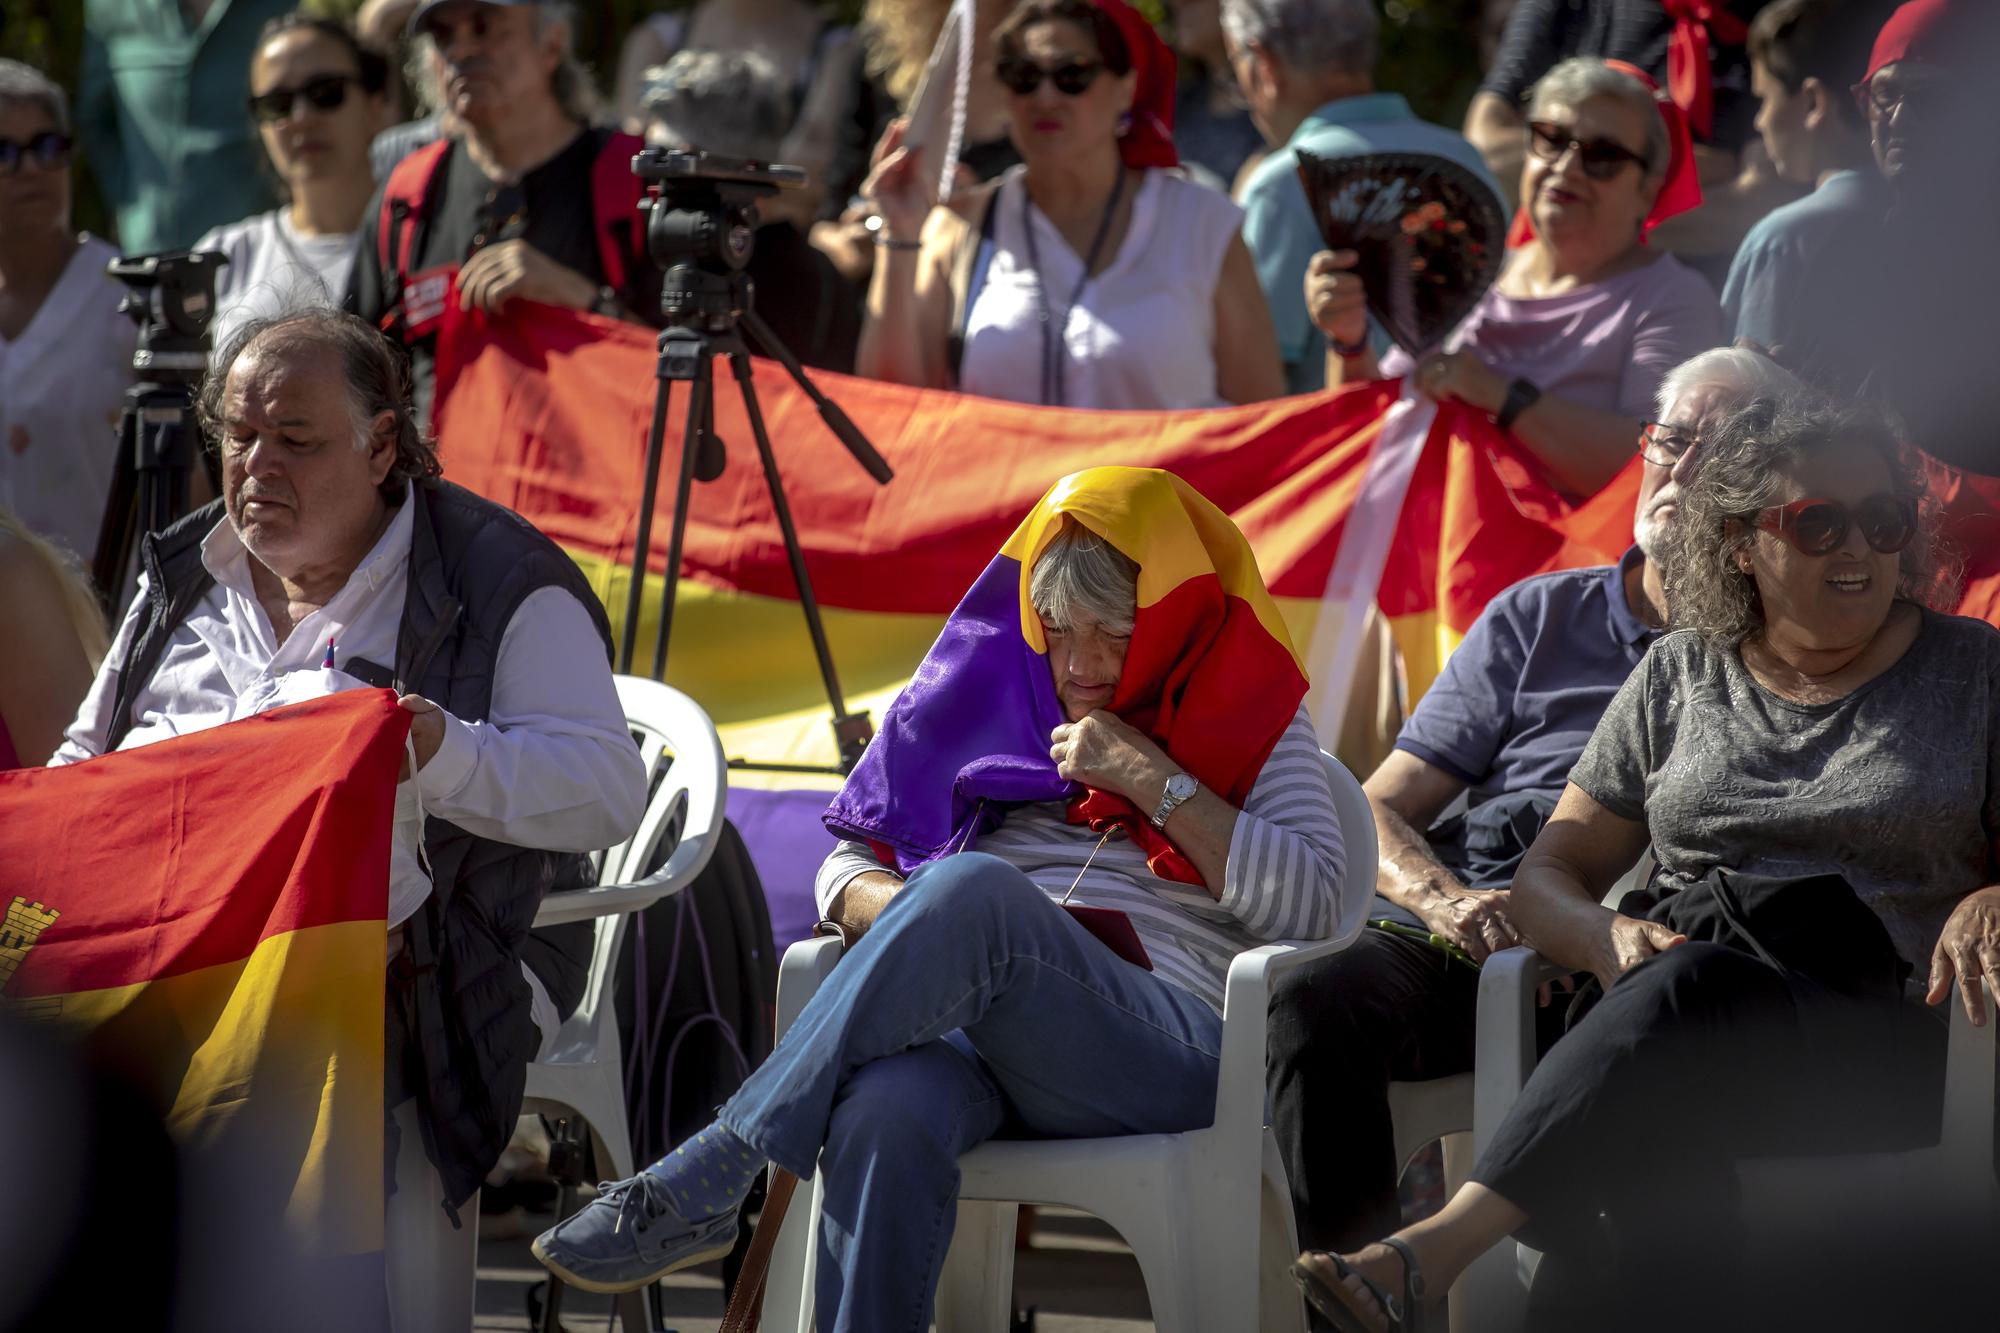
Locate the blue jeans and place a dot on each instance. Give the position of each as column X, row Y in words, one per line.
column 973, row 1004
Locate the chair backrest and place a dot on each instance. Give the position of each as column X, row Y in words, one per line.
column 686, row 784
column 1357, row 824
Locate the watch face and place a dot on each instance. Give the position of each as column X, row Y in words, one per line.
column 1180, row 786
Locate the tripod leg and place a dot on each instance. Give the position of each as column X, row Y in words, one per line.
column 702, row 388
column 851, row 732
column 635, row 595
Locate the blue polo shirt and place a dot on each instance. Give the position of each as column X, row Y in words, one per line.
column 1278, row 225
column 1515, row 704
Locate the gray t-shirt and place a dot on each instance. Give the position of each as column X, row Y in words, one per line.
column 1892, row 786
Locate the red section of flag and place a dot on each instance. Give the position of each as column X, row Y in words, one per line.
column 187, row 853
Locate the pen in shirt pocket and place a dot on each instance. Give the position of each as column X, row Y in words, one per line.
column 327, row 664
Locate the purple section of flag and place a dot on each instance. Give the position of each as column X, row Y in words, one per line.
column 969, row 731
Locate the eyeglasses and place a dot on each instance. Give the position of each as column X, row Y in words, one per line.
column 1882, row 96
column 48, row 149
column 1601, row 159
column 324, row 93
column 1664, row 445
column 1818, row 527
column 1071, row 78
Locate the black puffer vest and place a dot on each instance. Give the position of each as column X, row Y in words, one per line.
column 459, row 1032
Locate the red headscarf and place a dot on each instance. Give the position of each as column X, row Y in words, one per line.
column 1696, row 24
column 1919, row 30
column 1679, row 192
column 1149, row 140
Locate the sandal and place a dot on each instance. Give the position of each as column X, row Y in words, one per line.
column 1336, row 1303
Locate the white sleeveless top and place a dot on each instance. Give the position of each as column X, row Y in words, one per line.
column 1142, row 335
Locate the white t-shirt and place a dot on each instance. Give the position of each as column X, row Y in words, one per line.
column 1141, row 336
column 62, row 385
column 272, row 268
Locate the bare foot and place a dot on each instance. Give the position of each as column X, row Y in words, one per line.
column 1377, row 1263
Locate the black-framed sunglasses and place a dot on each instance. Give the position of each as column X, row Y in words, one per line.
column 1022, row 76
column 1818, row 527
column 1601, row 159
column 324, row 93
column 1665, row 445
column 48, row 149
column 1880, row 97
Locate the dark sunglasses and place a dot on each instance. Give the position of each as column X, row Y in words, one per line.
column 1818, row 527
column 1665, row 445
column 48, row 148
column 325, row 93
column 1023, row 76
column 1601, row 159
column 1880, row 98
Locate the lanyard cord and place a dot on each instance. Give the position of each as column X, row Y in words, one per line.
column 1054, row 354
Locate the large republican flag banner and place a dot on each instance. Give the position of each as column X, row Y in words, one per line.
column 207, row 916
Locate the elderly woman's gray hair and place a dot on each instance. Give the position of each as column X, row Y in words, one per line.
column 376, row 372
column 25, row 83
column 1080, row 571
column 1745, row 467
column 571, row 83
column 1316, row 36
column 1575, row 81
column 735, row 103
column 1744, row 375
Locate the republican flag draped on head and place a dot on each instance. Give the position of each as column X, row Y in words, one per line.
column 1210, row 674
column 208, row 915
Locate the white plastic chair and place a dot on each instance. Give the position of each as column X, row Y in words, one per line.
column 1496, row 1285
column 584, row 1075
column 1208, row 1212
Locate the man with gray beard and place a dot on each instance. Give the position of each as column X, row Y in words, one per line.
column 1502, row 726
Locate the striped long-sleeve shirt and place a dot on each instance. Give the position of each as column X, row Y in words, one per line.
column 1285, row 878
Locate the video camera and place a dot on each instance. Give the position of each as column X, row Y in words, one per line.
column 171, row 297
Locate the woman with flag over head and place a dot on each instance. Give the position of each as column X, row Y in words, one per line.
column 1111, row 722
column 1093, row 275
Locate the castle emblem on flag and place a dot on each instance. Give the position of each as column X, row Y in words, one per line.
column 24, row 925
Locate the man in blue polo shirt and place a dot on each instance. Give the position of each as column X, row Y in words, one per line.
column 1502, row 726
column 1306, row 68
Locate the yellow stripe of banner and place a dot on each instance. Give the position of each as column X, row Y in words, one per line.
column 279, row 1061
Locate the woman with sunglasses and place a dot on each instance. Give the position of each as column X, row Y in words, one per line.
column 1820, row 740
column 65, row 351
column 318, row 98
column 1568, row 347
column 1094, row 274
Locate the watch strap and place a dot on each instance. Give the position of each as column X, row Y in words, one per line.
column 1521, row 395
column 1172, row 800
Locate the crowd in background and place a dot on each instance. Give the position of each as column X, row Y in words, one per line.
column 1810, row 181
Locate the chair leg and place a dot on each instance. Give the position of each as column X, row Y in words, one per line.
column 1280, row 1308
column 788, row 1282
column 976, row 1289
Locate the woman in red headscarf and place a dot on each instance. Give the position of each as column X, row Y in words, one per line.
column 1568, row 348
column 1093, row 275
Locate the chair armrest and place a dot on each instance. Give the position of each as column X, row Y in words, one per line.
column 1970, row 1085
column 1246, row 1002
column 686, row 862
column 805, row 966
column 1504, row 1051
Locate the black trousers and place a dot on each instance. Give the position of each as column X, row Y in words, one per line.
column 1622, row 1147
column 1341, row 1030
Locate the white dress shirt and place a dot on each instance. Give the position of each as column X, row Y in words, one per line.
column 553, row 765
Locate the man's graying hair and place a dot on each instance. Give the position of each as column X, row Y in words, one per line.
column 25, row 83
column 571, row 83
column 1744, row 467
column 735, row 103
column 1080, row 571
column 375, row 371
column 1748, row 375
column 1575, row 81
column 1312, row 36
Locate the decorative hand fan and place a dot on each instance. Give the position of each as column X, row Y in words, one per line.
column 1429, row 233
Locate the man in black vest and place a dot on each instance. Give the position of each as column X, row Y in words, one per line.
column 337, row 559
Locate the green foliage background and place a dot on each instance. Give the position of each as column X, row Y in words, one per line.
column 1430, row 51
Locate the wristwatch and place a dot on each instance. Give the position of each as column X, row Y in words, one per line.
column 1521, row 395
column 1180, row 788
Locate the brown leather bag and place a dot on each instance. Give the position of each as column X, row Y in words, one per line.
column 746, row 1303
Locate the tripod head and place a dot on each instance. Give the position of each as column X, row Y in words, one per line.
column 701, row 230
column 171, row 297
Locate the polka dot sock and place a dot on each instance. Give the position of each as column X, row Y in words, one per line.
column 709, row 1174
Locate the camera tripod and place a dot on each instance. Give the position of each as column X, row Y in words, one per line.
column 708, row 307
column 171, row 299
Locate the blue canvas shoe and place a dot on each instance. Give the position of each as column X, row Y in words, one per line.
column 631, row 1235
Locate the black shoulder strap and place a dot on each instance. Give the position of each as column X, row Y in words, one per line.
column 968, row 275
